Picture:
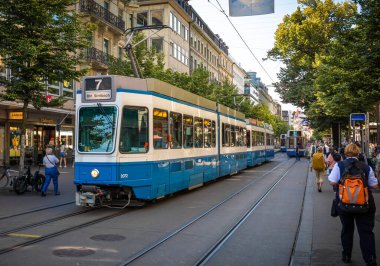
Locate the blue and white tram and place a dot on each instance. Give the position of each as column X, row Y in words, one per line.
column 269, row 142
column 144, row 139
column 296, row 138
column 283, row 142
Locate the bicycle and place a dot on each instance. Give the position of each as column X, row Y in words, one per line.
column 7, row 176
column 36, row 181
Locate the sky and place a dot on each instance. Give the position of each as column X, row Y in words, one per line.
column 257, row 31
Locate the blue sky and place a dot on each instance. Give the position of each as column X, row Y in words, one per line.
column 257, row 31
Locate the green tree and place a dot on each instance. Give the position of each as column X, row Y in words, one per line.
column 150, row 62
column 349, row 76
column 39, row 43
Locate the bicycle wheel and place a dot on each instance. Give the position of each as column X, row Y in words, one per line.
column 19, row 185
column 4, row 180
column 39, row 182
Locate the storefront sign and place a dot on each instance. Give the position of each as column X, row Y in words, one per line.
column 15, row 115
column 47, row 121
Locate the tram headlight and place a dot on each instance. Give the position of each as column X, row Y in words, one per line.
column 94, row 173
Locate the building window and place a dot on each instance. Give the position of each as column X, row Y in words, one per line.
column 171, row 49
column 68, row 89
column 179, row 27
column 121, row 53
column 171, row 18
column 157, row 17
column 53, row 88
column 106, row 5
column 142, row 19
column 106, row 46
column 131, row 19
column 158, row 44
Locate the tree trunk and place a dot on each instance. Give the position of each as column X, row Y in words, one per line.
column 23, row 137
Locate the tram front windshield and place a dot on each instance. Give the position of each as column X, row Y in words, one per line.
column 96, row 131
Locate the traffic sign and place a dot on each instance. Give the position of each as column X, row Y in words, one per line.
column 358, row 117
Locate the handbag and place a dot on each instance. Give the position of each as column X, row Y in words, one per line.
column 334, row 208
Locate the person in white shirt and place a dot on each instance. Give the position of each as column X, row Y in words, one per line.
column 365, row 222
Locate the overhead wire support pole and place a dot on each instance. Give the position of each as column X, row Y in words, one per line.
column 129, row 46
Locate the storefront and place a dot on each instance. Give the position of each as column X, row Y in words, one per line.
column 41, row 132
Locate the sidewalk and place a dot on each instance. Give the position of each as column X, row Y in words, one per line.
column 318, row 241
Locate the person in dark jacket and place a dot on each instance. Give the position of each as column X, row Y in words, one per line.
column 365, row 222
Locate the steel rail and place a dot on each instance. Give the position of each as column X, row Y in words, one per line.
column 216, row 247
column 144, row 251
column 32, row 225
column 36, row 210
column 61, row 232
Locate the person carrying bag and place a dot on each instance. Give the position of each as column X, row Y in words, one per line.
column 51, row 172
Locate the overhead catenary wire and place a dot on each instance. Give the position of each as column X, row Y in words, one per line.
column 241, row 37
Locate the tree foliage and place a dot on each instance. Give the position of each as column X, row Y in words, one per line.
column 331, row 52
column 39, row 43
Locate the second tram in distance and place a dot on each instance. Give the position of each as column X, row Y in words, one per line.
column 144, row 139
column 296, row 138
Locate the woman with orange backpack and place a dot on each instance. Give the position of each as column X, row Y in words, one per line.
column 356, row 203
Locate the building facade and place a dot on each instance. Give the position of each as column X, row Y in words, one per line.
column 111, row 18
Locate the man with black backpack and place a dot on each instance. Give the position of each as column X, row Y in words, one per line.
column 356, row 203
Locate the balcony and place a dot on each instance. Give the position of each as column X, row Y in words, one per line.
column 98, row 58
column 93, row 8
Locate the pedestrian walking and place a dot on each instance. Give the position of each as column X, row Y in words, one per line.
column 62, row 155
column 318, row 164
column 298, row 152
column 51, row 172
column 365, row 222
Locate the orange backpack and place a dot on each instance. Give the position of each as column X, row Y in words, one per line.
column 353, row 189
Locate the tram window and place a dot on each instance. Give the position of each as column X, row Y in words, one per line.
column 213, row 134
column 188, row 134
column 97, row 129
column 268, row 137
column 292, row 143
column 207, row 132
column 160, row 129
column 233, row 136
column 262, row 134
column 175, row 130
column 198, row 132
column 254, row 138
column 134, row 130
column 243, row 138
column 248, row 138
column 226, row 135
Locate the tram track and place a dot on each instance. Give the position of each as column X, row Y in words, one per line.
column 45, row 222
column 140, row 254
column 36, row 210
column 63, row 231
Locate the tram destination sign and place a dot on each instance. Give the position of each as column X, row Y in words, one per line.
column 98, row 88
